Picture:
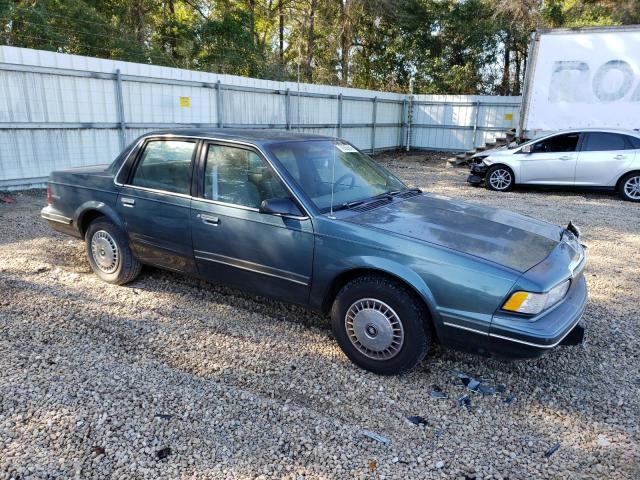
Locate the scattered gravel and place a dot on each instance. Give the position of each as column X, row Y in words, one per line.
column 171, row 377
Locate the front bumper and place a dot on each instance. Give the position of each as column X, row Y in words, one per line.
column 478, row 172
column 529, row 338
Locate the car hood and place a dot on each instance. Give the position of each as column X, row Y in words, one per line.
column 500, row 236
column 499, row 151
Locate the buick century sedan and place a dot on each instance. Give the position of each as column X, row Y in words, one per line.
column 312, row 220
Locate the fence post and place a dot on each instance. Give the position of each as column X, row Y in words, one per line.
column 409, row 120
column 403, row 111
column 476, row 106
column 340, row 115
column 287, row 109
column 373, row 125
column 120, row 109
column 219, row 104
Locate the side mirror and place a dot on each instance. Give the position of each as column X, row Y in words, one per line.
column 280, row 206
column 526, row 149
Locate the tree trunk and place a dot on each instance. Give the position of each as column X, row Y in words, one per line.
column 281, row 30
column 136, row 17
column 517, row 84
column 310, row 42
column 345, row 41
column 171, row 40
column 506, row 70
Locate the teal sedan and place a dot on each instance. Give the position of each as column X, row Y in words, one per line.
column 312, row 220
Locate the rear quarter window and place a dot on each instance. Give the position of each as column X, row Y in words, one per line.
column 603, row 141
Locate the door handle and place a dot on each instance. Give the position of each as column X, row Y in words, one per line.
column 565, row 157
column 209, row 219
column 128, row 202
column 620, row 157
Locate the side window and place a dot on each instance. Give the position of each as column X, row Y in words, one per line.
column 559, row 143
column 634, row 141
column 603, row 141
column 165, row 165
column 238, row 176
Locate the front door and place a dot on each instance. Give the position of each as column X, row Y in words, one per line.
column 551, row 161
column 236, row 244
column 155, row 203
column 603, row 158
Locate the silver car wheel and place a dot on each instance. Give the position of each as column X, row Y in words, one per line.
column 500, row 179
column 374, row 329
column 104, row 251
column 632, row 187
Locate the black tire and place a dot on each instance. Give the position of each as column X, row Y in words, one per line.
column 116, row 264
column 409, row 312
column 629, row 186
column 499, row 178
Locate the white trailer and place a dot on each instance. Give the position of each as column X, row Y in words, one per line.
column 581, row 78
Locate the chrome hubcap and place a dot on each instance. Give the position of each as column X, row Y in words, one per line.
column 374, row 329
column 632, row 188
column 500, row 179
column 104, row 251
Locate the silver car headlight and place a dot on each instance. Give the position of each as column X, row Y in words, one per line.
column 533, row 303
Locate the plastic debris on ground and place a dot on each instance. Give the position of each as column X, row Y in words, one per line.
column 438, row 393
column 376, row 436
column 7, row 199
column 163, row 453
column 417, row 420
column 163, row 416
column 477, row 386
column 465, row 402
column 510, row 399
column 552, row 450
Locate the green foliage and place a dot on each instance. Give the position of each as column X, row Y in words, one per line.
column 445, row 46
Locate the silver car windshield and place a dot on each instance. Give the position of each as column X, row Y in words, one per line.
column 334, row 173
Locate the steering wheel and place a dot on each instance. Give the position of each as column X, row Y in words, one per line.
column 346, row 177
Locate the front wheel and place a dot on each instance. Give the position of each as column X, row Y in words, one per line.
column 630, row 187
column 499, row 178
column 380, row 325
column 109, row 254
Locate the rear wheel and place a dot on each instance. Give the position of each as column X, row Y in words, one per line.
column 629, row 187
column 380, row 325
column 109, row 254
column 499, row 178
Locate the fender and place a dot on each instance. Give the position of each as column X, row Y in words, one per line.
column 101, row 207
column 382, row 265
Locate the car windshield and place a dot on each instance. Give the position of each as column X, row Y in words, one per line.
column 332, row 172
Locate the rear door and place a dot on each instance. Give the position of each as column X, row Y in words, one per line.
column 552, row 161
column 155, row 203
column 603, row 158
column 236, row 244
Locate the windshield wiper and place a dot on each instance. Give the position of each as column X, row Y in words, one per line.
column 404, row 190
column 357, row 203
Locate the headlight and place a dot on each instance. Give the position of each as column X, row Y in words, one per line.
column 534, row 303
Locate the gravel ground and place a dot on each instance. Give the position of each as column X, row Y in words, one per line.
column 101, row 381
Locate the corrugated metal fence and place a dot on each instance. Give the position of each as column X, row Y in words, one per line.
column 60, row 111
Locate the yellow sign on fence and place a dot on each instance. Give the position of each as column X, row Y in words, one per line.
column 185, row 102
column 508, row 117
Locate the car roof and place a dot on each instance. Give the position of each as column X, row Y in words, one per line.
column 622, row 131
column 252, row 136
